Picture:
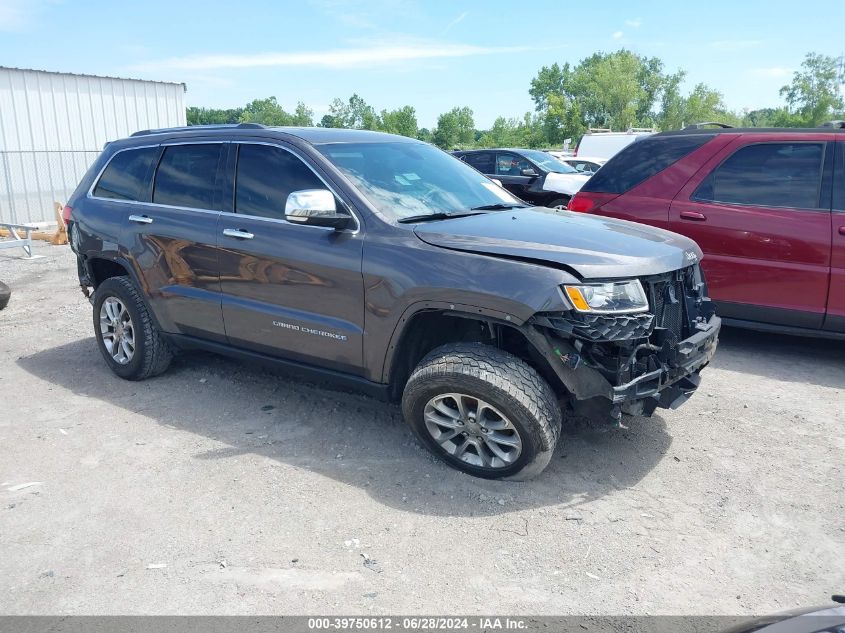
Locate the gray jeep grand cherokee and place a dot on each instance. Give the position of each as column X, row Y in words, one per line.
column 390, row 266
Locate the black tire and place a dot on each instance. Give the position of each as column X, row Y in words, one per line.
column 559, row 203
column 152, row 354
column 5, row 294
column 500, row 379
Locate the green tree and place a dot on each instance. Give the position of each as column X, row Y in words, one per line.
column 424, row 134
column 354, row 114
column 613, row 90
column 269, row 112
column 303, row 116
column 212, row 116
column 560, row 120
column 701, row 105
column 455, row 128
column 814, row 95
column 762, row 117
column 402, row 121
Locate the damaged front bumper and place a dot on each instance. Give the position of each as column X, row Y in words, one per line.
column 654, row 375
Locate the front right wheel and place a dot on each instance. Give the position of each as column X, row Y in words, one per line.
column 483, row 411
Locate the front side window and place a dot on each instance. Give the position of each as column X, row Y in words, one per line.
column 404, row 179
column 511, row 164
column 186, row 176
column 767, row 175
column 482, row 161
column 125, row 177
column 266, row 176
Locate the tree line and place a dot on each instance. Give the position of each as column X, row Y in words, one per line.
column 616, row 91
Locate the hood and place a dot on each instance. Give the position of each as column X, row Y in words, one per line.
column 593, row 246
column 569, row 184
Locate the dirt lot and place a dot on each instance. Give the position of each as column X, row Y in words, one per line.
column 223, row 488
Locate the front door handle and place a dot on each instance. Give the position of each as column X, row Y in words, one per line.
column 842, row 230
column 140, row 219
column 695, row 216
column 238, row 233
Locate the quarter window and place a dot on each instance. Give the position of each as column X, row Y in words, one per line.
column 186, row 176
column 641, row 160
column 767, row 175
column 125, row 178
column 266, row 176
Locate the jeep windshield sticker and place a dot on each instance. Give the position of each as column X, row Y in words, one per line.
column 304, row 329
column 500, row 193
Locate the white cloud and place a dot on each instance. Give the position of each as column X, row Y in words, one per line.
column 455, row 22
column 617, row 35
column 776, row 72
column 635, row 23
column 361, row 57
column 734, row 45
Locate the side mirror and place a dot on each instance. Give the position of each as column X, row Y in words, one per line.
column 497, row 181
column 528, row 172
column 315, row 207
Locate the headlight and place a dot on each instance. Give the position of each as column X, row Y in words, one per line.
column 608, row 298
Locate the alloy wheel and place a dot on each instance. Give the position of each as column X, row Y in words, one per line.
column 117, row 330
column 472, row 430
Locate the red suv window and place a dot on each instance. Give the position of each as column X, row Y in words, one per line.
column 767, row 175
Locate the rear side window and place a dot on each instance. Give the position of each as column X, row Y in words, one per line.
column 482, row 161
column 186, row 175
column 641, row 160
column 767, row 175
column 125, row 177
column 266, row 176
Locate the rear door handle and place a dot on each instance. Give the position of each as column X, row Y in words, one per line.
column 842, row 230
column 241, row 235
column 140, row 219
column 695, row 216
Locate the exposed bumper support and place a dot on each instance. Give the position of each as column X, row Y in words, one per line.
column 666, row 387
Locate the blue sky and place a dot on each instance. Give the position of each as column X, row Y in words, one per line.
column 431, row 54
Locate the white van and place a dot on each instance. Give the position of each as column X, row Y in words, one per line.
column 604, row 143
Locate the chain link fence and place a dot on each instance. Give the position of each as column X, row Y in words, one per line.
column 31, row 181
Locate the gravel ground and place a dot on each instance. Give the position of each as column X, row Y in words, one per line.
column 222, row 488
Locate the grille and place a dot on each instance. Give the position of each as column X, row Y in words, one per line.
column 668, row 298
column 605, row 327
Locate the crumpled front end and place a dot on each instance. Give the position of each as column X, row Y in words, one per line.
column 633, row 363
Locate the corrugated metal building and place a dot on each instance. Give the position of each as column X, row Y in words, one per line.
column 53, row 126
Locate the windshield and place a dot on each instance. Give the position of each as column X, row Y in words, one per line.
column 410, row 179
column 547, row 161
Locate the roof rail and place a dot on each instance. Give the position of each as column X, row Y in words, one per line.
column 634, row 130
column 593, row 130
column 214, row 126
column 838, row 125
column 698, row 126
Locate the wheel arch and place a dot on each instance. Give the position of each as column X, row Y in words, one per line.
column 427, row 326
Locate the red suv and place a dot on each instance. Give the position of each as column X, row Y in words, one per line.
column 767, row 207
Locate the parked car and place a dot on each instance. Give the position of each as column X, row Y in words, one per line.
column 529, row 174
column 767, row 207
column 585, row 164
column 606, row 144
column 386, row 265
